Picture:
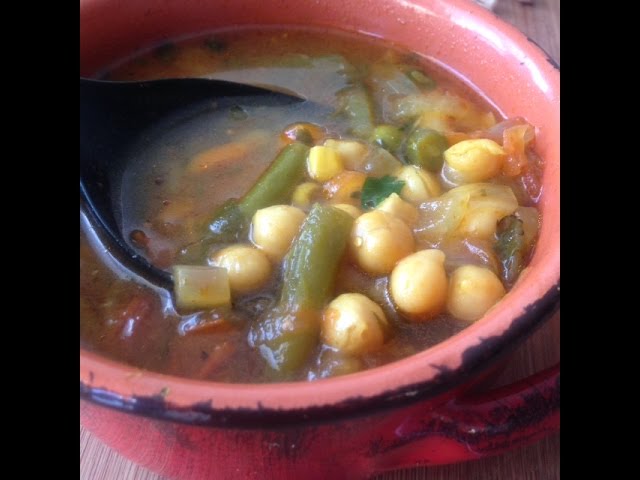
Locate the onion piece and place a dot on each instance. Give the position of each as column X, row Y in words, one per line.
column 455, row 211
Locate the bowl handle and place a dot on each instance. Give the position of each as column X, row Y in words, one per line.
column 477, row 425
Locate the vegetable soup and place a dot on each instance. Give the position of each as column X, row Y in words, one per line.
column 389, row 210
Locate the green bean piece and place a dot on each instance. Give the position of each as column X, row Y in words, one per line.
column 332, row 363
column 312, row 262
column 285, row 339
column 287, row 335
column 230, row 221
column 356, row 105
column 229, row 225
column 510, row 248
column 277, row 184
column 388, row 137
column 425, row 148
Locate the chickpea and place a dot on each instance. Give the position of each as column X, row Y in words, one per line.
column 486, row 204
column 274, row 228
column 418, row 284
column 473, row 160
column 397, row 207
column 472, row 291
column 248, row 268
column 304, row 194
column 352, row 153
column 350, row 209
column 480, row 222
column 378, row 240
column 420, row 185
column 354, row 324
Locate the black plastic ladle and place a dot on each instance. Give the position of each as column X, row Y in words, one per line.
column 112, row 117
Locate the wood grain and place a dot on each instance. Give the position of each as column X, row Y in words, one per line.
column 541, row 461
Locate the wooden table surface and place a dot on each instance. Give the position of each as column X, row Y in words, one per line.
column 540, row 21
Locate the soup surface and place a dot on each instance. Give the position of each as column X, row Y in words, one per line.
column 387, row 212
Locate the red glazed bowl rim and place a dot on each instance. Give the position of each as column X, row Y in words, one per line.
column 423, row 375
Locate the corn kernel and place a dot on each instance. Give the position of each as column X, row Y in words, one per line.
column 353, row 154
column 323, row 163
column 420, row 185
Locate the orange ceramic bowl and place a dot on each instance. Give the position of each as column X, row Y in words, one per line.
column 339, row 420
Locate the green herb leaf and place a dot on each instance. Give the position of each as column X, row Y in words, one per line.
column 510, row 248
column 375, row 190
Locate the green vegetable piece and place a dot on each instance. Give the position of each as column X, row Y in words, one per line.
column 231, row 220
column 388, row 137
column 425, row 148
column 333, row 364
column 421, row 79
column 510, row 248
column 288, row 334
column 356, row 105
column 200, row 288
column 277, row 184
column 375, row 190
column 285, row 339
column 229, row 224
column 387, row 80
column 311, row 264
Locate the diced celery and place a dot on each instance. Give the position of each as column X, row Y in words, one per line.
column 200, row 288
